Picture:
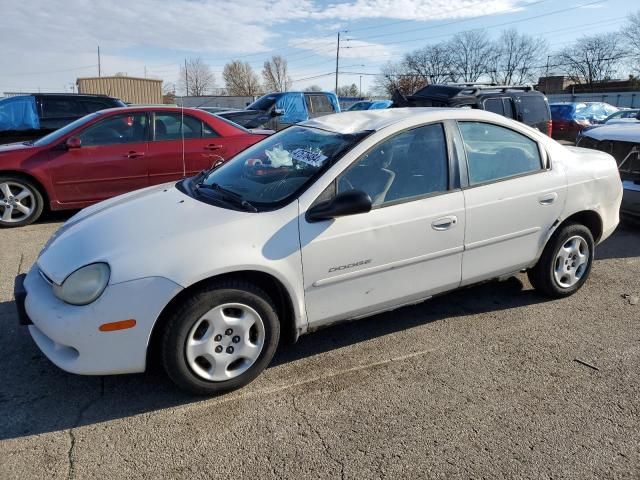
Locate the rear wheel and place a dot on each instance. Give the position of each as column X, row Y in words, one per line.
column 221, row 338
column 565, row 263
column 21, row 202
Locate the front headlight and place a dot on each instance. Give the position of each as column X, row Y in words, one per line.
column 84, row 285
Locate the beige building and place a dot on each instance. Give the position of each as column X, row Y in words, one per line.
column 128, row 89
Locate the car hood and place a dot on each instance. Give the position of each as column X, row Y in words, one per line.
column 125, row 230
column 14, row 147
column 620, row 132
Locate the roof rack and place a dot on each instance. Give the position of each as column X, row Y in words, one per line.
column 475, row 87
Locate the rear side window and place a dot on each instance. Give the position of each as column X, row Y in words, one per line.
column 508, row 108
column 172, row 126
column 319, row 104
column 495, row 152
column 494, row 105
column 534, row 109
column 94, row 105
column 61, row 108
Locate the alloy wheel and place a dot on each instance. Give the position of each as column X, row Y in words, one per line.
column 572, row 260
column 17, row 202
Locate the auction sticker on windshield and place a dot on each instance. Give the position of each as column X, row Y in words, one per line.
column 314, row 159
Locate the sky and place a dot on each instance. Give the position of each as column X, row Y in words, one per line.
column 46, row 44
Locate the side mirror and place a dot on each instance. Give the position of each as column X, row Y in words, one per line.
column 277, row 112
column 351, row 202
column 73, row 142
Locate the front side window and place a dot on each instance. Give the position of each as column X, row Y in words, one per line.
column 411, row 164
column 126, row 128
column 495, row 152
column 275, row 169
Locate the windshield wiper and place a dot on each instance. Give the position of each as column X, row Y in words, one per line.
column 229, row 194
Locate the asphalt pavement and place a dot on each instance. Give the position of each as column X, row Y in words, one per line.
column 492, row 381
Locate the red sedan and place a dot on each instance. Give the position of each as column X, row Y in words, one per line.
column 111, row 152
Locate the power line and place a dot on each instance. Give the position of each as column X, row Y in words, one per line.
column 562, row 10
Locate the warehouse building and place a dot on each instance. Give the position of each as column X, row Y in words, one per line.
column 133, row 90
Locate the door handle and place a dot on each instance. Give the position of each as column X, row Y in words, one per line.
column 213, row 146
column 133, row 154
column 444, row 223
column 548, row 199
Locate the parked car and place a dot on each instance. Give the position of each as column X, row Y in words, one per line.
column 570, row 118
column 111, row 152
column 622, row 140
column 29, row 117
column 622, row 115
column 370, row 105
column 276, row 111
column 338, row 218
column 521, row 103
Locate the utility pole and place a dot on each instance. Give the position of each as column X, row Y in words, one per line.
column 186, row 79
column 360, row 85
column 145, row 71
column 99, row 66
column 547, row 71
column 337, row 61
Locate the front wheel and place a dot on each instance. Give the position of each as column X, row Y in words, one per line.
column 21, row 203
column 221, row 338
column 565, row 263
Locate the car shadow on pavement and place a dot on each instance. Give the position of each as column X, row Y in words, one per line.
column 36, row 397
column 619, row 244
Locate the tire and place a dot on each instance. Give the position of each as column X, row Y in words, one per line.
column 12, row 202
column 221, row 338
column 561, row 269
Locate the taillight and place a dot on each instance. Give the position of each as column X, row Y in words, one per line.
column 549, row 127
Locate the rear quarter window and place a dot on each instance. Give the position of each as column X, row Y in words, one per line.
column 534, row 109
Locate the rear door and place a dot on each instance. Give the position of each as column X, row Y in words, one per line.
column 110, row 161
column 183, row 145
column 513, row 198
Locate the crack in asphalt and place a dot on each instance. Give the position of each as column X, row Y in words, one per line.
column 72, row 437
column 316, row 431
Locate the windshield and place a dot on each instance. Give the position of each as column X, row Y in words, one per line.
column 61, row 132
column 275, row 169
column 263, row 103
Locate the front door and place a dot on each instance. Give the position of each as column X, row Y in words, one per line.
column 110, row 161
column 513, row 199
column 408, row 247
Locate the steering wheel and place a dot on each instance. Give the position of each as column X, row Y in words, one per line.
column 344, row 185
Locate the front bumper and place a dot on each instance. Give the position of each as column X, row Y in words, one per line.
column 69, row 336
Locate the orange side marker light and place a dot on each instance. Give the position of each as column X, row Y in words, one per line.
column 119, row 325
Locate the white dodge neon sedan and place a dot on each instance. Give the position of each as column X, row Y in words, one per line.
column 337, row 218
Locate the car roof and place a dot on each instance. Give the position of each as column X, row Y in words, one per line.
column 373, row 120
column 144, row 108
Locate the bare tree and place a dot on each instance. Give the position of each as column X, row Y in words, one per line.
column 515, row 58
column 313, row 88
column 395, row 77
column 240, row 79
column 631, row 34
column 275, row 74
column 433, row 63
column 196, row 77
column 348, row 91
column 592, row 59
column 470, row 54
